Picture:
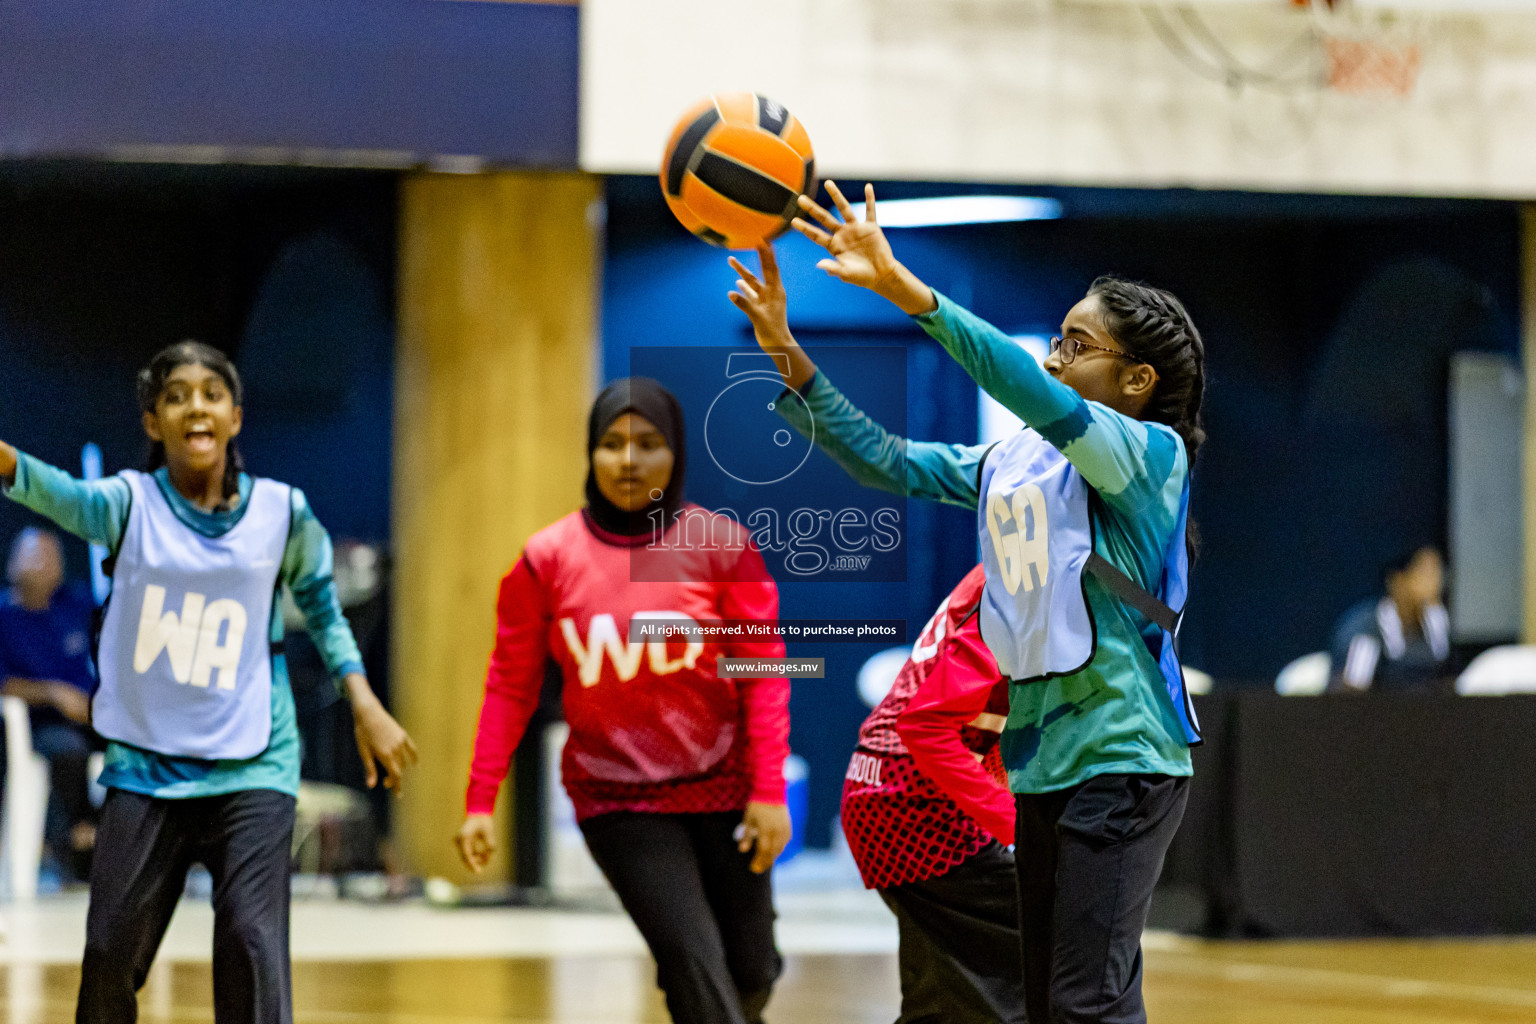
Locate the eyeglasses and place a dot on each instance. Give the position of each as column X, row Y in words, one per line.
column 1068, row 347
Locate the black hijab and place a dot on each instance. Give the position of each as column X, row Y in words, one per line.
column 643, row 397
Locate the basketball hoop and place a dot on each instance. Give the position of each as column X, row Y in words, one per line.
column 1372, row 67
column 1369, row 54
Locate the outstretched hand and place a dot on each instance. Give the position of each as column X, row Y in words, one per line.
column 861, row 254
column 764, row 301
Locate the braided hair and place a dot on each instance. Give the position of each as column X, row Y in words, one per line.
column 151, row 382
column 1153, row 326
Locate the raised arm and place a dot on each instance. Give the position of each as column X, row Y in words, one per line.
column 874, row 456
column 1127, row 461
column 93, row 510
column 868, row 452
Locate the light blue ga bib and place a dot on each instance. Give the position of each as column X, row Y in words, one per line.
column 1036, row 532
column 185, row 656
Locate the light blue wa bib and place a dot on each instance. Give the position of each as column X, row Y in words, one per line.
column 1037, row 534
column 185, row 656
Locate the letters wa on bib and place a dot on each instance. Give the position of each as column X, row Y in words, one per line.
column 1036, row 526
column 185, row 657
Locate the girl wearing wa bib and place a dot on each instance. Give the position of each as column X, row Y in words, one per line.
column 203, row 753
column 1082, row 522
column 185, row 671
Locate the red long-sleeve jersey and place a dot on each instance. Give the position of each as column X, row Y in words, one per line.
column 925, row 788
column 652, row 726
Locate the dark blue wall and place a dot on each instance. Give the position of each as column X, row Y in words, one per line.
column 1327, row 321
column 417, row 77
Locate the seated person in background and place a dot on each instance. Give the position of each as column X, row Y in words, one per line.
column 45, row 659
column 1400, row 641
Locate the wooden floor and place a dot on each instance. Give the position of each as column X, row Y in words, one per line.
column 1187, row 982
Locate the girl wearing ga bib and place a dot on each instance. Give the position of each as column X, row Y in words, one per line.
column 1082, row 523
column 676, row 773
column 203, row 747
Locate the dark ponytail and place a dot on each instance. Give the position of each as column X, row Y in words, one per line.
column 1152, row 325
column 151, row 382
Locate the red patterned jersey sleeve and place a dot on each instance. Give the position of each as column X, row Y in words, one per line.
column 953, row 694
column 750, row 593
column 512, row 683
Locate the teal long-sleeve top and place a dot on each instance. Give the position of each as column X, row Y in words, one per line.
column 97, row 511
column 1115, row 715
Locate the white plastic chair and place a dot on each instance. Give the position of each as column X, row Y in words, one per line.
column 1499, row 671
column 26, row 803
column 1307, row 676
column 878, row 674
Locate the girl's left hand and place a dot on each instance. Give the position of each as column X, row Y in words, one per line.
column 767, row 827
column 381, row 742
column 860, row 252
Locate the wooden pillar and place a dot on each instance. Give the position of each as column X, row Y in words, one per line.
column 498, row 304
column 1528, row 357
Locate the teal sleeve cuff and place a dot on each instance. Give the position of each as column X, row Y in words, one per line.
column 793, row 405
column 20, row 479
column 940, row 300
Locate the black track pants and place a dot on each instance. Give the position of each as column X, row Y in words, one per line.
column 706, row 917
column 1088, row 858
column 144, row 847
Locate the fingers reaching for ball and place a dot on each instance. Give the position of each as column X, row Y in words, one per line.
column 762, row 298
column 860, row 253
column 748, row 287
column 818, row 212
column 770, row 264
column 869, row 202
column 843, row 208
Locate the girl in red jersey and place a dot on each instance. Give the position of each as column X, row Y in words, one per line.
column 927, row 816
column 676, row 774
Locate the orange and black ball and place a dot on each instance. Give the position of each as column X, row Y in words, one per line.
column 733, row 168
